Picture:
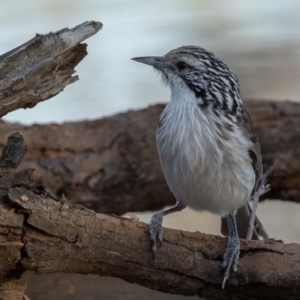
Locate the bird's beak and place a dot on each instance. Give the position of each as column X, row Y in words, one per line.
column 155, row 61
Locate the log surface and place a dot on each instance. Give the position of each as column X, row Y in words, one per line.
column 41, row 234
column 44, row 234
column 111, row 164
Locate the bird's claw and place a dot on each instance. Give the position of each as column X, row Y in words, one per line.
column 156, row 231
column 231, row 257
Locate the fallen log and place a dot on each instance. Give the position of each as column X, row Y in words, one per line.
column 111, row 165
column 41, row 233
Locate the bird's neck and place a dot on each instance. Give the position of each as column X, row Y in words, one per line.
column 182, row 95
column 183, row 122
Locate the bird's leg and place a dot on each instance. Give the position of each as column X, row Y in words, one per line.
column 261, row 190
column 232, row 253
column 155, row 225
column 255, row 199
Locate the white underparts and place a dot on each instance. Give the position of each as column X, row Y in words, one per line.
column 205, row 161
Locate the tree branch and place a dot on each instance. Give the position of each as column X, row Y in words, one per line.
column 42, row 67
column 43, row 235
column 109, row 165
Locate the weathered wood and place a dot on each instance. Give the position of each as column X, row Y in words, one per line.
column 41, row 234
column 11, row 157
column 42, row 67
column 111, row 164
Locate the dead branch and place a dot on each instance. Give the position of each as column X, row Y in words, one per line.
column 42, row 67
column 41, row 234
column 111, row 165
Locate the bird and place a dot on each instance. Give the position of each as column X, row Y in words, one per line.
column 208, row 150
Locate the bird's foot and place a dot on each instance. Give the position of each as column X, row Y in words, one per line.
column 231, row 257
column 156, row 230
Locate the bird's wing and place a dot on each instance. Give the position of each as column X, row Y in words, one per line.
column 243, row 214
column 245, row 124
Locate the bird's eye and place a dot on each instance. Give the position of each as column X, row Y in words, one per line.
column 181, row 65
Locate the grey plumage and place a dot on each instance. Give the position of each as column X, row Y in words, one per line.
column 207, row 147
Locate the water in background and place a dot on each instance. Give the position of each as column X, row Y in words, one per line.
column 259, row 40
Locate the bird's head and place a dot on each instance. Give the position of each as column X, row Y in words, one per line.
column 194, row 69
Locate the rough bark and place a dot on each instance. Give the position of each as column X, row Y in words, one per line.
column 111, row 165
column 44, row 235
column 42, row 67
column 10, row 159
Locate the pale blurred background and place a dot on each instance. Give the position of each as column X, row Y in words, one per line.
column 259, row 40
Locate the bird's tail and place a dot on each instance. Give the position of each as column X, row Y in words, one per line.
column 242, row 219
